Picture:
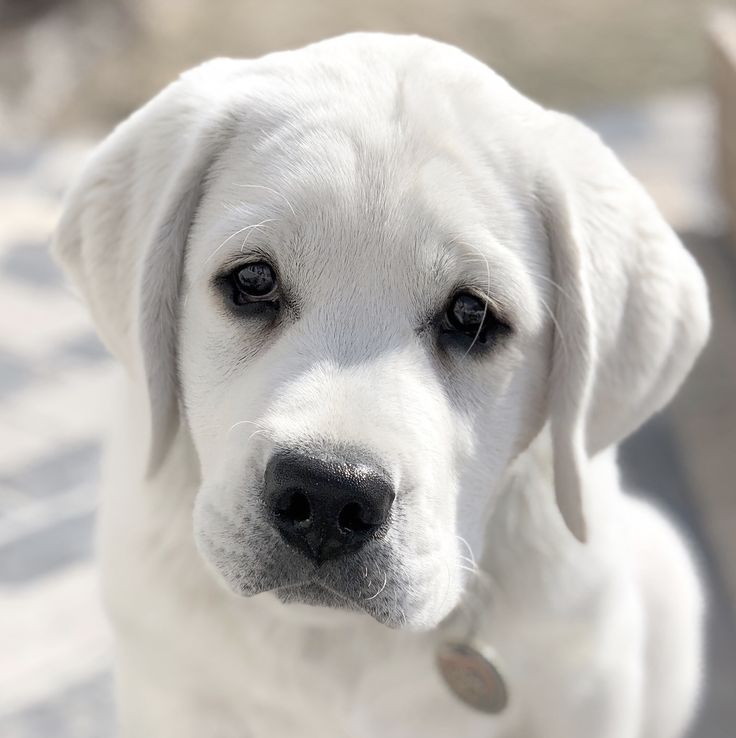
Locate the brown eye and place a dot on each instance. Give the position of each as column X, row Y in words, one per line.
column 252, row 289
column 469, row 322
column 255, row 281
column 466, row 313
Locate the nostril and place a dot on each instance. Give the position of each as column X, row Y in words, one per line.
column 294, row 506
column 326, row 506
column 352, row 519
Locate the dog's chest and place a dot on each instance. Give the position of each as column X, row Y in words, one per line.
column 363, row 683
column 247, row 673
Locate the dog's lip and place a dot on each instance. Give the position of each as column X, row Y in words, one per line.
column 316, row 593
column 313, row 585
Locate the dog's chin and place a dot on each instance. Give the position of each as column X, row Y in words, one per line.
column 315, row 602
column 331, row 594
column 316, row 595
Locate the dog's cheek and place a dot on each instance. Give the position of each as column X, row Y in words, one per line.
column 220, row 520
column 500, row 412
column 433, row 591
column 221, row 386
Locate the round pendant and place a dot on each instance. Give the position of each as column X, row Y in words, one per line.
column 470, row 674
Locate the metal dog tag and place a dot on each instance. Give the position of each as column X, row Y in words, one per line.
column 471, row 675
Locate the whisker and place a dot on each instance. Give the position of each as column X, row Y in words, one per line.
column 244, row 422
column 383, row 586
column 481, row 258
column 272, row 191
column 556, row 285
column 228, row 239
column 257, row 226
column 259, row 429
column 485, row 305
column 467, row 546
column 448, row 581
column 256, row 432
column 468, row 561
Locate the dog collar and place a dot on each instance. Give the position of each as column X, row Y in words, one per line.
column 471, row 675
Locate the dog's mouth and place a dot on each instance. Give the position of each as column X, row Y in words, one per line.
column 314, row 593
column 373, row 582
column 319, row 594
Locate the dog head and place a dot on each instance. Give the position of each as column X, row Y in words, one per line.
column 363, row 277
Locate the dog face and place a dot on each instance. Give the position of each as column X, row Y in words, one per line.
column 387, row 340
column 364, row 276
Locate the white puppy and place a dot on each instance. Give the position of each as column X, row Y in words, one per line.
column 383, row 321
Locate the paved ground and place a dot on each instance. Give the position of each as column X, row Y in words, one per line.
column 54, row 645
column 53, row 639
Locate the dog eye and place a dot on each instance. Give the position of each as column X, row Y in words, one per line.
column 466, row 313
column 254, row 282
column 470, row 319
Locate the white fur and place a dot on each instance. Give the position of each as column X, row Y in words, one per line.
column 380, row 173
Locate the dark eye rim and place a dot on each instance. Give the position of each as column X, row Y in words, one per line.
column 494, row 327
column 228, row 285
column 250, row 297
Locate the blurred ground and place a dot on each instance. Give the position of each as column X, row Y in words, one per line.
column 86, row 63
column 74, row 72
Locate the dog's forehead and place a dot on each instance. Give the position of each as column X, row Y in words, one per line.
column 371, row 184
column 367, row 216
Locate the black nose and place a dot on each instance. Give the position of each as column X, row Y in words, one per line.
column 328, row 506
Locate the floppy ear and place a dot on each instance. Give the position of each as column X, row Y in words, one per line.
column 631, row 305
column 123, row 232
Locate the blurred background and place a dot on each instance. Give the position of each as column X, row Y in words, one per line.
column 657, row 79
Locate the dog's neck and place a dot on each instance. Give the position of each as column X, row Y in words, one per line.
column 526, row 543
column 529, row 554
